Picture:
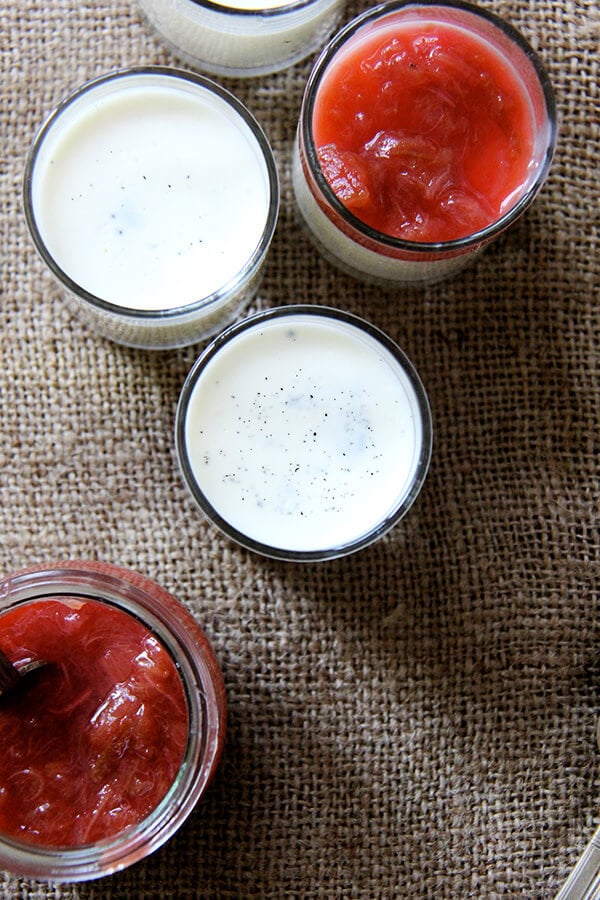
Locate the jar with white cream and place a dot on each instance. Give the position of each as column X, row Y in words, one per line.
column 152, row 195
column 243, row 37
column 304, row 433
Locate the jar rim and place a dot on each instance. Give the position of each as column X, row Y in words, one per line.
column 262, row 12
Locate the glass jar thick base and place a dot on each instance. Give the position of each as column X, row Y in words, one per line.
column 163, row 334
column 359, row 261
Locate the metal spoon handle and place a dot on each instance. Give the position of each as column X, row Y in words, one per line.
column 584, row 881
column 9, row 674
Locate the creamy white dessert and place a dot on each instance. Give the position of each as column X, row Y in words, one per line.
column 304, row 432
column 152, row 192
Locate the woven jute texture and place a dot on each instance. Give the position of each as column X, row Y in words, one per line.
column 418, row 719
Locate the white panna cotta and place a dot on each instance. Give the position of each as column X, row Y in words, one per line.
column 245, row 37
column 303, row 432
column 154, row 191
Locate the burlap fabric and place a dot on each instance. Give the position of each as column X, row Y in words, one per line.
column 417, row 720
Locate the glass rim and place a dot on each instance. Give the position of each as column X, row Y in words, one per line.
column 372, row 235
column 168, row 314
column 399, row 509
column 191, row 653
column 261, row 12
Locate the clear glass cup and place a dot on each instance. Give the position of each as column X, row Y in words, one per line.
column 152, row 195
column 304, row 433
column 345, row 239
column 243, row 38
column 175, row 628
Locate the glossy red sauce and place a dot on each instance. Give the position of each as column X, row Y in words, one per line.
column 96, row 740
column 423, row 131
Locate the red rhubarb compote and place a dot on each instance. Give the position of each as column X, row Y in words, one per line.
column 95, row 740
column 423, row 131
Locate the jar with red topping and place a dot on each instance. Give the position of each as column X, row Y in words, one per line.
column 105, row 751
column 426, row 130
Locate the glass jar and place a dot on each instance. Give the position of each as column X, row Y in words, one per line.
column 75, row 584
column 304, row 433
column 152, row 195
column 410, row 119
column 243, row 38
